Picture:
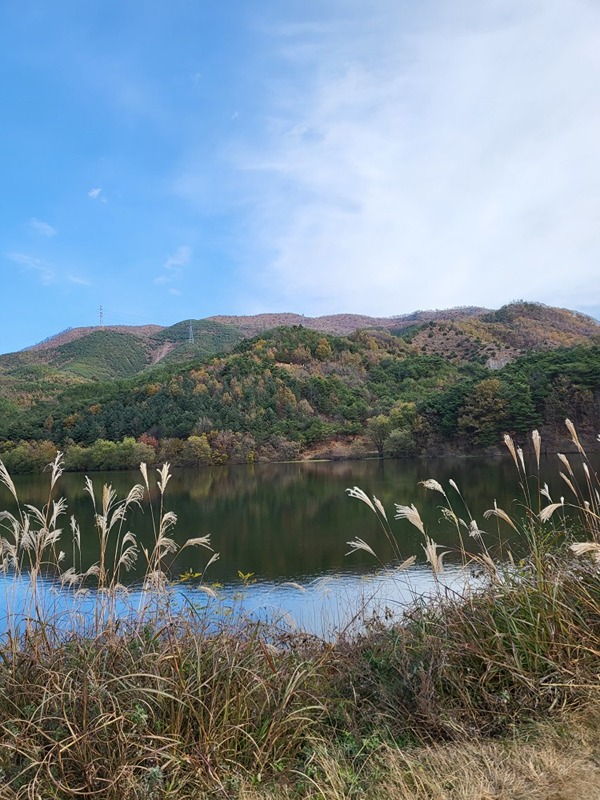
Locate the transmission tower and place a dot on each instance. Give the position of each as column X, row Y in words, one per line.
column 101, row 316
column 191, row 334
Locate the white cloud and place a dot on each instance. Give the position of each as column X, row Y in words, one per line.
column 42, row 228
column 78, row 280
column 175, row 292
column 44, row 271
column 179, row 259
column 95, row 193
column 173, row 266
column 442, row 159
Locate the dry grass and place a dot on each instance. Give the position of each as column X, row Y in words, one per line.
column 493, row 694
column 559, row 762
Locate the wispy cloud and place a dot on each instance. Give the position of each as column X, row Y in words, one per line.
column 42, row 228
column 173, row 266
column 78, row 280
column 179, row 259
column 427, row 159
column 96, row 194
column 45, row 272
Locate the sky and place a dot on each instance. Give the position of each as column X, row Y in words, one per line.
column 174, row 160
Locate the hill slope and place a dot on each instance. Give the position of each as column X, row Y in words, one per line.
column 498, row 337
column 292, row 391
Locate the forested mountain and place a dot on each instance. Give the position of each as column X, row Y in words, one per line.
column 446, row 386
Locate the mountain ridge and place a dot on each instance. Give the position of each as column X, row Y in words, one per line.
column 420, row 387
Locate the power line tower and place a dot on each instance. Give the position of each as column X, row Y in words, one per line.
column 101, row 317
column 191, row 334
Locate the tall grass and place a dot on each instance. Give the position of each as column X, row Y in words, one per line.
column 527, row 639
column 169, row 702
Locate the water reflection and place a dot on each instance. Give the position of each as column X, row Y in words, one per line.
column 327, row 606
column 291, row 522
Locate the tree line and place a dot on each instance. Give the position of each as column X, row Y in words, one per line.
column 283, row 392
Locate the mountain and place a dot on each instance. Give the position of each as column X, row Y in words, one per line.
column 468, row 333
column 344, row 324
column 498, row 337
column 446, row 384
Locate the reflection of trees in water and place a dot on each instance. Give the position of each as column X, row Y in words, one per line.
column 293, row 520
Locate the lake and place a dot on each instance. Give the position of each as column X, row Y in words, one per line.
column 290, row 524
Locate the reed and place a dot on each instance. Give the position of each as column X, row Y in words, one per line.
column 468, row 691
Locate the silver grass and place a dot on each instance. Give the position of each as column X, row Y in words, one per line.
column 565, row 461
column 380, row 508
column 51, row 537
column 433, row 557
column 118, row 515
column 574, row 436
column 433, row 486
column 199, row 541
column 75, row 532
column 295, row 585
column 568, row 482
column 580, row 548
column 211, row 560
column 155, row 581
column 360, row 544
column 92, row 571
column 547, row 512
column 128, row 557
column 109, row 497
column 537, row 446
column 144, row 471
column 586, row 470
column 411, row 514
column 521, row 458
column 207, row 590
column 449, row 515
column 164, row 544
column 56, row 468
column 164, row 476
column 408, row 562
column 474, row 530
column 89, row 488
column 36, row 513
column 488, row 563
column 7, row 481
column 360, row 495
column 511, row 448
column 135, row 496
column 498, row 512
column 168, row 520
column 70, row 577
column 58, row 508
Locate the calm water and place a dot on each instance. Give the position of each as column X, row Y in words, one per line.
column 291, row 522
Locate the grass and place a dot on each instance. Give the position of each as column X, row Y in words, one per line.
column 490, row 694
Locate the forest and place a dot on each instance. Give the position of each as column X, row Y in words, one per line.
column 292, row 392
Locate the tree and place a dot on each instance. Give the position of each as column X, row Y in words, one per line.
column 378, row 429
column 483, row 416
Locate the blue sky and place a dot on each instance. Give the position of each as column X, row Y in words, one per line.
column 181, row 159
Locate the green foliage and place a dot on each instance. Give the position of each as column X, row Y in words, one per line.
column 301, row 387
column 102, row 355
column 210, row 338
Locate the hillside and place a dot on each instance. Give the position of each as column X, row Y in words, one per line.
column 343, row 324
column 468, row 334
column 107, row 353
column 498, row 337
column 292, row 391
